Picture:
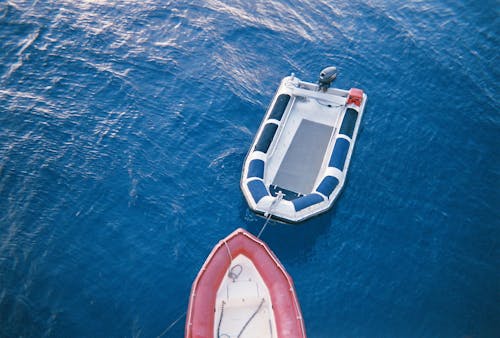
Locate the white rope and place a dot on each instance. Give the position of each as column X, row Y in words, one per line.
column 268, row 214
column 228, row 251
column 264, row 226
column 171, row 325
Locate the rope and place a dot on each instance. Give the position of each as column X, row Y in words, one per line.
column 268, row 214
column 264, row 226
column 220, row 319
column 234, row 275
column 228, row 250
column 329, row 105
column 171, row 325
column 251, row 317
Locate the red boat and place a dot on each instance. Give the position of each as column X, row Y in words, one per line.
column 242, row 290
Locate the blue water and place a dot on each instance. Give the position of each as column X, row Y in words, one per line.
column 123, row 130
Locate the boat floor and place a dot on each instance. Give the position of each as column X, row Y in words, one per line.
column 243, row 305
column 302, row 162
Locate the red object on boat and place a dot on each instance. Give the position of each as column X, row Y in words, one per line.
column 243, row 290
column 355, row 96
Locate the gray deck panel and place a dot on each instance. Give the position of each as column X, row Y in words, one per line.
column 303, row 159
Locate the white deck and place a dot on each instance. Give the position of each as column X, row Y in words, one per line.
column 243, row 303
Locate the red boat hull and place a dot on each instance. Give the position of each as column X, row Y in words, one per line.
column 201, row 312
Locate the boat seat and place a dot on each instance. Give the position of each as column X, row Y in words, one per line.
column 256, row 169
column 327, row 185
column 306, row 201
column 349, row 122
column 339, row 153
column 279, row 107
column 266, row 137
column 257, row 189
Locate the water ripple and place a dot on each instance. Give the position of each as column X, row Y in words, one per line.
column 123, row 130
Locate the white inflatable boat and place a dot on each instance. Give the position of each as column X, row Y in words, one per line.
column 297, row 164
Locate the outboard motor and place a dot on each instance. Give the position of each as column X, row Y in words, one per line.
column 326, row 78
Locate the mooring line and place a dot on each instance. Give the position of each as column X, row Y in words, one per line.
column 171, row 325
column 278, row 199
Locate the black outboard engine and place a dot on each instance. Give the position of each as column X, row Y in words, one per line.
column 326, row 77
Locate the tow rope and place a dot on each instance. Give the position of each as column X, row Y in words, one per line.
column 269, row 214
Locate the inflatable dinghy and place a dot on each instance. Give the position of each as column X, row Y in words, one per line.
column 242, row 290
column 297, row 164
